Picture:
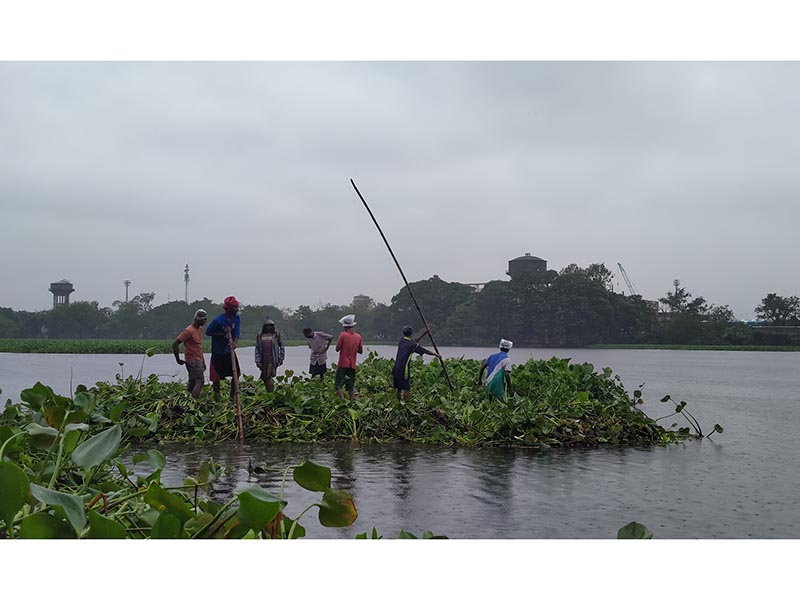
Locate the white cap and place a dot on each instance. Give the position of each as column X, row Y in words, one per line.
column 348, row 320
column 200, row 314
column 506, row 344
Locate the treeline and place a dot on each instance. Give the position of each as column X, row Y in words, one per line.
column 573, row 307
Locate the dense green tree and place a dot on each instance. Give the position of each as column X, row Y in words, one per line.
column 779, row 310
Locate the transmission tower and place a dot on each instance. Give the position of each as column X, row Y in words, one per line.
column 186, row 283
column 676, row 283
column 127, row 283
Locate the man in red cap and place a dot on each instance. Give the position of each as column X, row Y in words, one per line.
column 224, row 332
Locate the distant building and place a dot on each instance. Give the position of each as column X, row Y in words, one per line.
column 362, row 302
column 61, row 291
column 526, row 265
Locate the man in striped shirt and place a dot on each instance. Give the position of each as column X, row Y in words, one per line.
column 498, row 366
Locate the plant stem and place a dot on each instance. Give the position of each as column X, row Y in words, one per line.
column 291, row 529
column 216, row 516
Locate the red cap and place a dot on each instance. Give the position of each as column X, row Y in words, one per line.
column 230, row 301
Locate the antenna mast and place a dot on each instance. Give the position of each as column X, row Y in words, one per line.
column 186, row 283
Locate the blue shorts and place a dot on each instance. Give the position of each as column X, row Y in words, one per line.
column 399, row 382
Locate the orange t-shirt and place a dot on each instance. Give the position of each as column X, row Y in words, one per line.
column 192, row 338
column 348, row 344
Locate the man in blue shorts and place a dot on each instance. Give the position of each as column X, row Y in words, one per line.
column 401, row 373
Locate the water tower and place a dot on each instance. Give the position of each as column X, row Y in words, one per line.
column 61, row 291
column 526, row 265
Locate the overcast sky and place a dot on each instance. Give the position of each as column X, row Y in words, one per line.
column 114, row 171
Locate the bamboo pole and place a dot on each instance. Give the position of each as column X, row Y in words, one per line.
column 408, row 286
column 235, row 384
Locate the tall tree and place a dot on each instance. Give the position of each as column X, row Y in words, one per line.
column 778, row 310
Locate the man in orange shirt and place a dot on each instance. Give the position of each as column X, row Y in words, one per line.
column 192, row 338
column 348, row 345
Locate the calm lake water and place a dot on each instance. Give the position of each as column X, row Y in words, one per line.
column 739, row 484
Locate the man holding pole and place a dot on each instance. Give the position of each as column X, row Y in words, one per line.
column 401, row 373
column 224, row 332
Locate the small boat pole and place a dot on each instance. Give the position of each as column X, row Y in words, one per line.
column 408, row 286
column 235, row 384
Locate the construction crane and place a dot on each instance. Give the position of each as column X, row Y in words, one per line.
column 628, row 281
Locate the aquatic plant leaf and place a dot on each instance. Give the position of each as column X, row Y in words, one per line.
column 6, row 433
column 14, row 491
column 54, row 415
column 634, row 531
column 97, row 448
column 116, row 411
column 84, row 400
column 162, row 500
column 166, row 527
column 257, row 507
column 312, row 476
column 72, row 505
column 197, row 523
column 718, row 428
column 34, row 429
column 103, row 528
column 405, row 535
column 299, row 530
column 44, row 526
column 36, row 396
column 337, row 509
column 153, row 458
column 151, row 351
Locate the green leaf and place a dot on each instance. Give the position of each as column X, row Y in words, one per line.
column 718, row 428
column 44, row 526
column 72, row 505
column 257, row 507
column 151, row 351
column 14, row 491
column 166, row 527
column 85, row 401
column 153, row 458
column 36, row 396
column 405, row 535
column 312, row 476
column 34, row 429
column 116, row 412
column 162, row 500
column 299, row 530
column 337, row 509
column 97, row 448
column 197, row 523
column 634, row 531
column 138, row 432
column 103, row 528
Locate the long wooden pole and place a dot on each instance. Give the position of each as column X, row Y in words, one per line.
column 235, row 384
column 408, row 286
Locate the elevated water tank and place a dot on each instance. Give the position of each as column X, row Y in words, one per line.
column 61, row 291
column 526, row 265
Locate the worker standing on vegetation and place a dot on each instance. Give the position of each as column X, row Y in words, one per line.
column 499, row 367
column 223, row 328
column 401, row 372
column 269, row 353
column 192, row 339
column 319, row 342
column 348, row 345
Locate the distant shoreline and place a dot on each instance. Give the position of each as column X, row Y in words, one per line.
column 40, row 346
column 696, row 347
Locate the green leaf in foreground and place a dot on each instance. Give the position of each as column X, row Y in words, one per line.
column 257, row 507
column 312, row 476
column 72, row 505
column 14, row 491
column 162, row 500
column 337, row 509
column 97, row 448
column 102, row 528
column 634, row 531
column 44, row 526
column 154, row 459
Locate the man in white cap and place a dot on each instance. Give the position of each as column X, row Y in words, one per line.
column 348, row 345
column 192, row 339
column 499, row 367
